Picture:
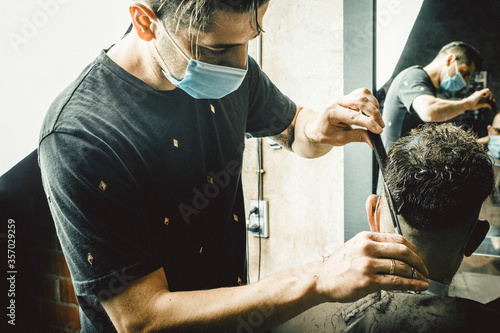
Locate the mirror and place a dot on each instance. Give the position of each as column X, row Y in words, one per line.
column 412, row 32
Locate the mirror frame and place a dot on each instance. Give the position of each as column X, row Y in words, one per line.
column 359, row 71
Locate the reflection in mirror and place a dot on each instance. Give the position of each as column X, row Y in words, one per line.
column 412, row 32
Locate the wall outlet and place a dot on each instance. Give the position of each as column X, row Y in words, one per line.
column 260, row 218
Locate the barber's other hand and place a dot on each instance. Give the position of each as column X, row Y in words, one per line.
column 334, row 125
column 481, row 99
column 362, row 265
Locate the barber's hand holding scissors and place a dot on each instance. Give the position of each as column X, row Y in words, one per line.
column 334, row 126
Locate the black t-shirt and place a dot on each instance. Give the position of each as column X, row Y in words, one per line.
column 138, row 179
column 398, row 113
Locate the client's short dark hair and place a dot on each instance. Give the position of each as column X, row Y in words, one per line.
column 441, row 173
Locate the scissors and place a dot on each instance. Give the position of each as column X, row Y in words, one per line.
column 394, row 207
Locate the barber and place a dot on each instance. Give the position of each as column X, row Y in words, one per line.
column 411, row 99
column 141, row 161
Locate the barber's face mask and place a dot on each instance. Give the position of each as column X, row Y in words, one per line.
column 494, row 146
column 204, row 80
column 453, row 84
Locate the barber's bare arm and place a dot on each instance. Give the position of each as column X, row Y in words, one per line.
column 312, row 134
column 356, row 269
column 433, row 109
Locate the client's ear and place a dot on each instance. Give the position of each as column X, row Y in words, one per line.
column 476, row 237
column 371, row 206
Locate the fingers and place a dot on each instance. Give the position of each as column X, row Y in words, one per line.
column 387, row 245
column 364, row 264
column 401, row 277
column 347, row 110
column 360, row 99
column 487, row 100
column 386, row 237
column 359, row 108
column 351, row 135
column 482, row 99
column 342, row 116
column 484, row 105
column 396, row 282
column 385, row 267
column 486, row 93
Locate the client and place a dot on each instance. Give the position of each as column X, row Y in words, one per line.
column 443, row 175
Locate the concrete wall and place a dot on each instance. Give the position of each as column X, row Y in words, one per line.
column 303, row 56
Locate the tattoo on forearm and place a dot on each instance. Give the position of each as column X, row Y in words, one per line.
column 285, row 139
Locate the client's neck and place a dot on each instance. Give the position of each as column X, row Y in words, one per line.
column 441, row 268
column 441, row 255
column 440, row 250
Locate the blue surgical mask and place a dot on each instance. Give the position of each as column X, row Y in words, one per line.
column 494, row 146
column 453, row 84
column 204, row 80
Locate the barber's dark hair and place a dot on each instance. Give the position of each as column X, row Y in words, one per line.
column 441, row 173
column 197, row 14
column 464, row 53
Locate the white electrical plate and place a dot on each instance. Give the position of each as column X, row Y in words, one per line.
column 262, row 218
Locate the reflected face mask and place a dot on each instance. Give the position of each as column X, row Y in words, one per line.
column 455, row 83
column 494, row 146
column 203, row 80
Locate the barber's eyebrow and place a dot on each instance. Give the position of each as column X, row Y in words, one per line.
column 226, row 46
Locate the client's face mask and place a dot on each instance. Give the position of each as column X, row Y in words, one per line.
column 204, row 80
column 494, row 146
column 453, row 84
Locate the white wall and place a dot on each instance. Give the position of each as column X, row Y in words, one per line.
column 395, row 19
column 44, row 45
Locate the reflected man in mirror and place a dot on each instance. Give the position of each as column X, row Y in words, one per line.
column 411, row 99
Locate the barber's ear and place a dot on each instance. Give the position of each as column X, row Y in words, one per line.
column 371, row 205
column 449, row 59
column 476, row 237
column 141, row 17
